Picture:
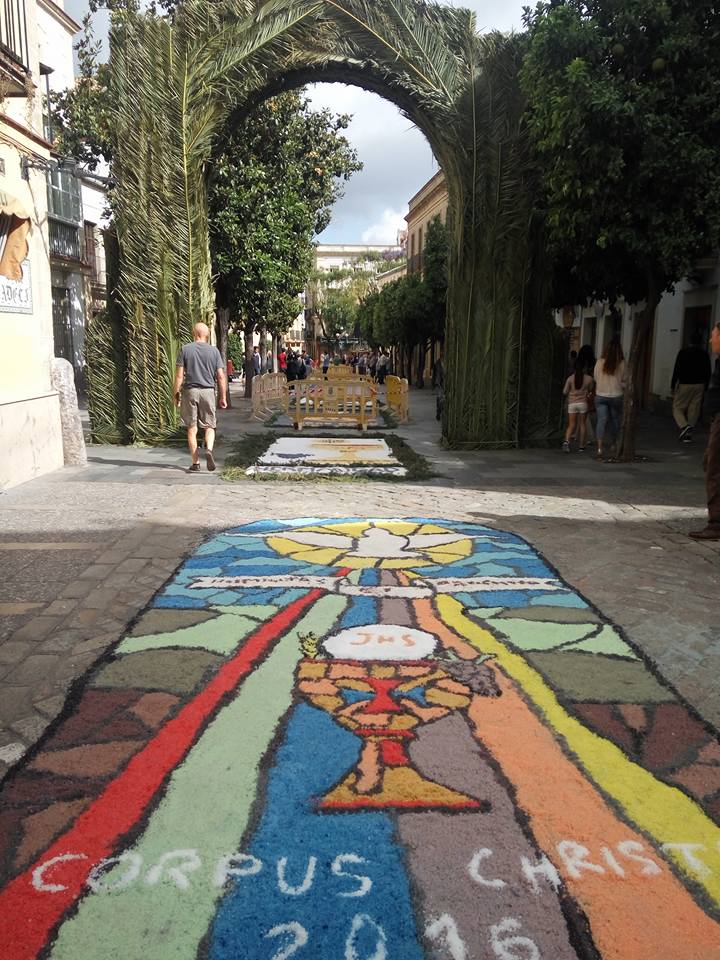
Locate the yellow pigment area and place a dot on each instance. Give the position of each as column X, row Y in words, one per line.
column 661, row 811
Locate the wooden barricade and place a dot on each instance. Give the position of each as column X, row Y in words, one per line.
column 269, row 394
column 342, row 402
column 398, row 398
column 340, row 371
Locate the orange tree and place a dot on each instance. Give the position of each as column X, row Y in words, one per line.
column 624, row 113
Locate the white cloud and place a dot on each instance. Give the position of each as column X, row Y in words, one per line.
column 386, row 228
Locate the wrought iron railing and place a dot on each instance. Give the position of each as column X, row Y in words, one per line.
column 65, row 240
column 13, row 31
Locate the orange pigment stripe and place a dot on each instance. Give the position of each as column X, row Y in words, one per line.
column 635, row 916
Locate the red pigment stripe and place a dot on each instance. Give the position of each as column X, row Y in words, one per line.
column 28, row 916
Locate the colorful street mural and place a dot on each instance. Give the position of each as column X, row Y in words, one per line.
column 366, row 740
column 328, row 456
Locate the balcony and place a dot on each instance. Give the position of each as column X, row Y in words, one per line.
column 65, row 240
column 14, row 54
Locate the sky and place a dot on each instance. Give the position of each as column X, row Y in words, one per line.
column 397, row 159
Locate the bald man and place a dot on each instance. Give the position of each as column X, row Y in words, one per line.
column 199, row 368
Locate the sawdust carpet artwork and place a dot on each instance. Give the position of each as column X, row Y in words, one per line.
column 354, row 739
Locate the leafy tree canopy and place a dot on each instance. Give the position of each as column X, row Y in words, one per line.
column 624, row 110
column 624, row 113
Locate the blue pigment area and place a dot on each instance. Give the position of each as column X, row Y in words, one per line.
column 314, row 755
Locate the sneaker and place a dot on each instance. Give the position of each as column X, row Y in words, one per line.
column 582, row 449
column 566, row 446
column 685, row 434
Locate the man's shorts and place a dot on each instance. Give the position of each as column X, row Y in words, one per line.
column 198, row 406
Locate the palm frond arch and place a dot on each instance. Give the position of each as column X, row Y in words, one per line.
column 176, row 84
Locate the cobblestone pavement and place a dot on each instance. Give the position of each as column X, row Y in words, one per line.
column 83, row 551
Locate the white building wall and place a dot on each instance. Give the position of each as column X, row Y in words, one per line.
column 29, row 408
column 55, row 44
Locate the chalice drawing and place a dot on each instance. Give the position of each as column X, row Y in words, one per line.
column 383, row 702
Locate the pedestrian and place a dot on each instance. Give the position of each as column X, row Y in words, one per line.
column 690, row 380
column 291, row 368
column 382, row 367
column 609, row 376
column 282, row 360
column 309, row 365
column 578, row 388
column 712, row 454
column 269, row 362
column 199, row 368
column 372, row 366
column 257, row 361
column 586, row 356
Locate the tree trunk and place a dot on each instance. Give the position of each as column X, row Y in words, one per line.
column 249, row 369
column 222, row 326
column 422, row 353
column 642, row 333
column 263, row 350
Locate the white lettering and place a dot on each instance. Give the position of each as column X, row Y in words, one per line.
column 189, row 862
column 96, row 878
column 611, row 861
column 543, row 868
column 236, row 865
column 296, row 931
column 506, row 948
column 444, row 930
column 283, row 885
column 573, row 855
column 336, row 868
column 688, row 852
column 474, row 870
column 39, row 872
column 632, row 849
column 360, row 921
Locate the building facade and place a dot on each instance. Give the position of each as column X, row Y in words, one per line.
column 429, row 202
column 29, row 407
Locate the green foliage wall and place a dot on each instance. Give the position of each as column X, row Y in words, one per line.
column 175, row 84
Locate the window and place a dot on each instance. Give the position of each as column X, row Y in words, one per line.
column 62, row 329
column 91, row 258
column 64, row 200
column 13, row 31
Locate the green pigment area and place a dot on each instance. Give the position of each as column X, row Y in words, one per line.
column 206, row 808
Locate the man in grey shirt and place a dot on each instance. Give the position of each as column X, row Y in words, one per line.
column 199, row 367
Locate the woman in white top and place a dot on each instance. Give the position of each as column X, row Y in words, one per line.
column 610, row 374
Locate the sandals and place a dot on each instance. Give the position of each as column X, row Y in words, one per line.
column 210, row 460
column 194, row 468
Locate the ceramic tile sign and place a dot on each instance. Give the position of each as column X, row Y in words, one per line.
column 401, row 739
column 325, row 456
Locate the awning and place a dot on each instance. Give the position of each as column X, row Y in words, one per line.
column 13, row 207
